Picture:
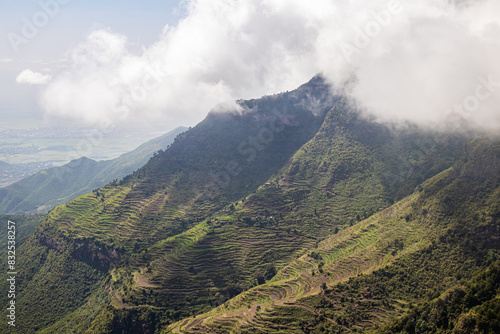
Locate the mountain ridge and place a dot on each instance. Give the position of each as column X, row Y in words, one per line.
column 325, row 278
column 223, row 230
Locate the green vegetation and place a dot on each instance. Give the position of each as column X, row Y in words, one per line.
column 42, row 274
column 388, row 264
column 44, row 190
column 276, row 220
column 25, row 226
column 470, row 307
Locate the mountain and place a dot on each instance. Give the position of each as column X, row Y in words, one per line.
column 420, row 258
column 48, row 188
column 11, row 173
column 293, row 214
column 80, row 242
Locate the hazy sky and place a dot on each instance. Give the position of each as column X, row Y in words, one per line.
column 70, row 21
column 170, row 62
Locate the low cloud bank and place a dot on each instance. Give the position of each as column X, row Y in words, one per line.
column 398, row 60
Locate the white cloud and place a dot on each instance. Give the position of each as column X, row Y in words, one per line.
column 29, row 77
column 427, row 62
column 421, row 60
column 6, row 60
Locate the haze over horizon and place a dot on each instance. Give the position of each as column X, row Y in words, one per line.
column 403, row 60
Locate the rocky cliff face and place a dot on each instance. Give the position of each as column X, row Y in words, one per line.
column 97, row 255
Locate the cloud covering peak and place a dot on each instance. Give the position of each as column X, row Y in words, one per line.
column 411, row 60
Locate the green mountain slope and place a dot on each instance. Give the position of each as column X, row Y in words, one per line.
column 431, row 241
column 243, row 217
column 472, row 306
column 173, row 192
column 25, row 226
column 54, row 186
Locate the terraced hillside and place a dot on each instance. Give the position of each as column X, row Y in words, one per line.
column 428, row 244
column 244, row 213
column 44, row 190
column 171, row 194
column 245, row 243
column 358, row 249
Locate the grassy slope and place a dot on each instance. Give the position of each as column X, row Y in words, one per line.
column 54, row 186
column 166, row 197
column 248, row 240
column 170, row 241
column 385, row 265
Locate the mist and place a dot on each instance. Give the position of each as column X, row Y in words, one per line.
column 418, row 61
